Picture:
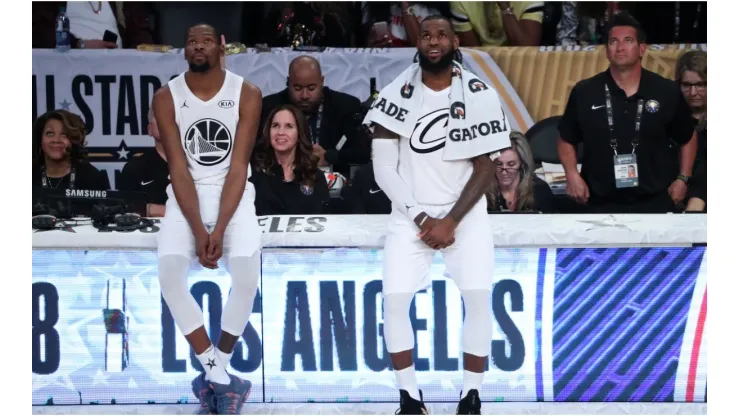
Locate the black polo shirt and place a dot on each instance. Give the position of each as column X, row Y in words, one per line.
column 274, row 196
column 666, row 118
column 146, row 173
column 363, row 195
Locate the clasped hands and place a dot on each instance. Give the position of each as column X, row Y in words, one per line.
column 437, row 233
column 209, row 247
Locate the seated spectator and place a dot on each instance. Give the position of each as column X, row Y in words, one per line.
column 286, row 177
column 500, row 23
column 310, row 23
column 88, row 21
column 398, row 22
column 516, row 187
column 59, row 157
column 691, row 73
column 363, row 195
column 583, row 23
column 148, row 173
column 330, row 116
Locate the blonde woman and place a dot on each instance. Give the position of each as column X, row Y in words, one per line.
column 691, row 73
column 516, row 187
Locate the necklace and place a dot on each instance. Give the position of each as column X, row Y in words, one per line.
column 100, row 7
column 59, row 181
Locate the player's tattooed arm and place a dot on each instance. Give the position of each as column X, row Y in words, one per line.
column 483, row 174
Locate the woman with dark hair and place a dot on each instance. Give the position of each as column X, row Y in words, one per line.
column 691, row 73
column 59, row 157
column 516, row 188
column 286, row 176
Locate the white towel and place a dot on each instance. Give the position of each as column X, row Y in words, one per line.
column 477, row 123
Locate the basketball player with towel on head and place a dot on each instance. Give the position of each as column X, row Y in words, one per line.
column 208, row 120
column 437, row 130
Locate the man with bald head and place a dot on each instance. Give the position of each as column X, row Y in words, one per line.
column 330, row 116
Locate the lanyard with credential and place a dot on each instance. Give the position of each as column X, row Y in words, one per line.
column 45, row 182
column 610, row 118
column 315, row 133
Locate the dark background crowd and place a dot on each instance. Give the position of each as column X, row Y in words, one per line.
column 365, row 24
column 322, row 163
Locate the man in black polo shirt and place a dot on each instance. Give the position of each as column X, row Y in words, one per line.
column 331, row 115
column 627, row 116
column 148, row 173
column 363, row 195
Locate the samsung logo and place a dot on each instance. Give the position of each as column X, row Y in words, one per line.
column 226, row 104
column 85, row 193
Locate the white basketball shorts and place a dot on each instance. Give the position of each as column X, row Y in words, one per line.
column 243, row 235
column 469, row 261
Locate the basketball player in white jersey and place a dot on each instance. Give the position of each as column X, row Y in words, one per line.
column 208, row 119
column 437, row 205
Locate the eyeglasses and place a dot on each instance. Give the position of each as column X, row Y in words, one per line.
column 700, row 86
column 510, row 171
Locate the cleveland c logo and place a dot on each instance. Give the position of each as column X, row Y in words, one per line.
column 457, row 110
column 476, row 85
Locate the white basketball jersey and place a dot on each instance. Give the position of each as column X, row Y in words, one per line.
column 432, row 180
column 207, row 129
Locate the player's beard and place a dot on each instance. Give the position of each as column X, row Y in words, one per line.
column 205, row 66
column 444, row 63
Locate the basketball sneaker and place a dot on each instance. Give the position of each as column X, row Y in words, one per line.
column 230, row 398
column 411, row 406
column 202, row 390
column 470, row 404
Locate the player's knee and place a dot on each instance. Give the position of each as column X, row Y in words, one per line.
column 478, row 325
column 245, row 274
column 399, row 335
column 173, row 273
column 396, row 305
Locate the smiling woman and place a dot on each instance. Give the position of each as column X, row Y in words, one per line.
column 59, row 155
column 287, row 179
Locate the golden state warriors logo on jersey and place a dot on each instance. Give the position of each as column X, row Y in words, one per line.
column 208, row 142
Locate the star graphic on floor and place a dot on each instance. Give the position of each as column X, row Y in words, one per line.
column 211, row 363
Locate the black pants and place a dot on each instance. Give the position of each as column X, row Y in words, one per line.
column 659, row 203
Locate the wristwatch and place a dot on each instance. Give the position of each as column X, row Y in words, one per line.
column 684, row 178
column 81, row 44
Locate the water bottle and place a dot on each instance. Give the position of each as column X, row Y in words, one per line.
column 62, row 23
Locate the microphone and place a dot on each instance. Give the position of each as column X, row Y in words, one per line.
column 75, row 151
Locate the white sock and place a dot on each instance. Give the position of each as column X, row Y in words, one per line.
column 215, row 371
column 224, row 358
column 471, row 381
column 406, row 380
